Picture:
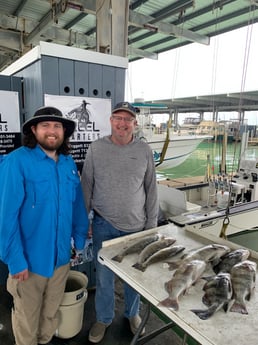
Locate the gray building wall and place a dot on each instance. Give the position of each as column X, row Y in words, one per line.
column 60, row 76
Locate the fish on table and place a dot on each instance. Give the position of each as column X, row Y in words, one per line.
column 243, row 276
column 137, row 246
column 209, row 253
column 218, row 294
column 230, row 259
column 152, row 248
column 183, row 278
column 160, row 255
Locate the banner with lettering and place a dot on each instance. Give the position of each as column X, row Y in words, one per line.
column 92, row 120
column 10, row 128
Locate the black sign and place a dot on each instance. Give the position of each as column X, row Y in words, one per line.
column 9, row 142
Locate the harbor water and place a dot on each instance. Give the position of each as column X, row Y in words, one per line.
column 207, row 158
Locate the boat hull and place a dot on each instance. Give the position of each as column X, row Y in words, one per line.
column 178, row 150
column 241, row 218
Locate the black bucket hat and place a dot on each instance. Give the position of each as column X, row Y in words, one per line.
column 49, row 114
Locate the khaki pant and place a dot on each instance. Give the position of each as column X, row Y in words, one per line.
column 36, row 303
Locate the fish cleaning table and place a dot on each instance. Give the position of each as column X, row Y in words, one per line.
column 221, row 328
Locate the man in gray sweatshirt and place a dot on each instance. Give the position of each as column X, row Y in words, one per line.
column 119, row 184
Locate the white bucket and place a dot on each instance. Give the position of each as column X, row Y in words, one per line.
column 71, row 309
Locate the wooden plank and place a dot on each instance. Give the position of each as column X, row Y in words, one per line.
column 184, row 181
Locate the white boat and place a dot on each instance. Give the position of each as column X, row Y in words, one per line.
column 190, row 125
column 169, row 147
column 178, row 148
column 231, row 128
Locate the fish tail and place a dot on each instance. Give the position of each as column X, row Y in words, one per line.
column 204, row 314
column 118, row 258
column 139, row 266
column 239, row 308
column 170, row 303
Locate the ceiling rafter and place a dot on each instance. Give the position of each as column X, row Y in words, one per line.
column 145, row 22
column 166, row 12
column 189, row 17
column 76, row 20
column 19, row 8
column 211, row 23
column 57, row 10
column 154, row 27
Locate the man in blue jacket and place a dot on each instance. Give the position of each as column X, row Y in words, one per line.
column 41, row 211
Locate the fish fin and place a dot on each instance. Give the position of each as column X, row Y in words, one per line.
column 139, row 267
column 248, row 296
column 215, row 262
column 196, row 281
column 239, row 308
column 205, row 314
column 172, row 265
column 206, row 301
column 118, row 258
column 225, row 306
column 216, row 268
column 170, row 303
column 208, row 278
column 186, row 291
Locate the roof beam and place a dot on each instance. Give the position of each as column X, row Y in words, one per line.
column 8, row 59
column 86, row 6
column 12, row 39
column 143, row 22
column 244, row 96
column 142, row 53
column 69, row 37
column 146, row 22
column 201, row 109
column 16, row 24
column 19, row 7
column 75, row 21
column 189, row 17
column 165, row 12
column 215, row 99
column 58, row 9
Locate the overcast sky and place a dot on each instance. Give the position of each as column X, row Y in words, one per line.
column 228, row 64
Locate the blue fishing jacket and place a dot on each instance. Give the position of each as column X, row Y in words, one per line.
column 41, row 210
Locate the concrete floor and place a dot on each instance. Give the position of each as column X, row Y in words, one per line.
column 117, row 334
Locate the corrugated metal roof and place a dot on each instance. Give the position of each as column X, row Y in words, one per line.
column 226, row 102
column 153, row 26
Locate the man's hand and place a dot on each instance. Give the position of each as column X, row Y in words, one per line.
column 21, row 276
column 90, row 231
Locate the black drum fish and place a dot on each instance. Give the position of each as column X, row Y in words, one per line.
column 218, row 293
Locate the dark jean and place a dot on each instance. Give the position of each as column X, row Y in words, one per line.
column 105, row 278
